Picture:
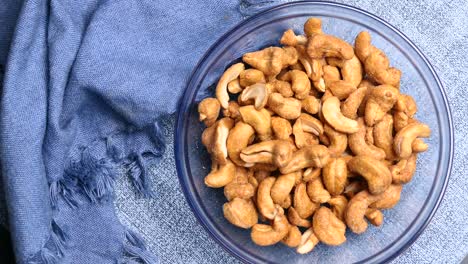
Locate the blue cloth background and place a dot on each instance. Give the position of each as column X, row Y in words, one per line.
column 101, row 73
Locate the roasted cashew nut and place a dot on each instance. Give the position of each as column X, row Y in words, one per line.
column 281, row 128
column 301, row 137
column 383, row 136
column 389, row 198
column 341, row 89
column 282, row 187
column 338, row 205
column 240, row 136
column 332, row 114
column 335, row 175
column 260, row 120
column 356, row 210
column 311, row 156
column 359, row 146
column 321, row 45
column 313, row 26
column 308, row 242
column 302, row 203
column 374, row 216
column 350, row 106
column 215, row 137
column 317, row 192
column 209, row 110
column 289, row 108
column 351, row 70
column 220, row 175
column 289, row 38
column 300, row 83
column 293, row 238
column 328, row 228
column 271, row 60
column 405, row 137
column 241, row 213
column 266, row 235
column 374, row 171
column 295, row 219
column 338, row 141
column 256, row 92
column 265, row 203
column 276, row 152
column 221, row 89
column 311, row 104
column 381, row 100
column 250, row 77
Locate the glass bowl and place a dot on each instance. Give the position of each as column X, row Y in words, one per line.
column 420, row 198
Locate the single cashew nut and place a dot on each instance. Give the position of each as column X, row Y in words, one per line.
column 383, row 136
column 220, row 175
column 282, row 87
column 281, row 128
column 311, row 104
column 351, row 70
column 302, row 138
column 260, row 120
column 271, row 60
column 234, row 86
column 240, row 136
column 256, row 92
column 302, row 203
column 209, row 110
column 338, row 142
column 350, row 106
column 406, row 104
column 332, row 114
column 334, row 175
column 240, row 186
column 289, row 108
column 311, row 156
column 241, row 213
column 330, row 74
column 311, row 124
column 328, row 228
column 389, row 198
column 282, row 187
column 266, row 235
column 293, row 238
column 338, row 205
column 251, row 76
column 405, row 137
column 311, row 174
column 313, row 26
column 221, row 89
column 317, row 192
column 356, row 210
column 377, row 67
column 300, row 83
column 265, row 203
column 276, row 152
column 215, row 137
column 308, row 242
column 295, row 219
column 321, row 45
column 374, row 171
column 381, row 100
column 359, row 146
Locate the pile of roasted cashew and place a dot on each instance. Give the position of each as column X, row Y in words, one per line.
column 319, row 139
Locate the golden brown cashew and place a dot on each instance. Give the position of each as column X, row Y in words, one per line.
column 221, row 89
column 214, row 138
column 311, row 124
column 321, row 45
column 374, row 171
column 308, row 242
column 240, row 212
column 383, row 136
column 276, row 152
column 240, row 136
column 260, row 120
column 302, row 138
column 282, row 187
column 220, row 175
column 405, row 137
column 289, row 108
column 281, row 128
column 419, row 146
column 293, row 238
column 317, row 193
column 356, row 210
column 240, row 186
column 302, row 203
column 351, row 70
column 328, row 228
column 234, row 86
column 332, row 114
column 265, row 203
column 359, row 146
column 300, row 83
column 266, row 235
column 251, row 76
column 335, row 174
column 271, row 60
column 389, row 198
column 341, row 89
column 350, row 106
column 256, row 92
column 338, row 205
column 378, row 68
column 315, row 155
column 209, row 110
column 406, row 104
column 311, row 104
column 400, row 120
column 295, row 219
column 313, row 26
column 374, row 216
column 282, row 87
column 289, row 38
column 330, row 74
column 363, row 46
column 338, row 141
column 232, row 111
column 381, row 100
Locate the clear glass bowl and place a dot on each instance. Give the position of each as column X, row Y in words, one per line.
column 420, row 198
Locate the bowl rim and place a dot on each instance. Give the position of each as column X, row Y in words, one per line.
column 178, row 124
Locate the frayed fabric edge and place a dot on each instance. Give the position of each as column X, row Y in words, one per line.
column 53, row 248
column 135, row 250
